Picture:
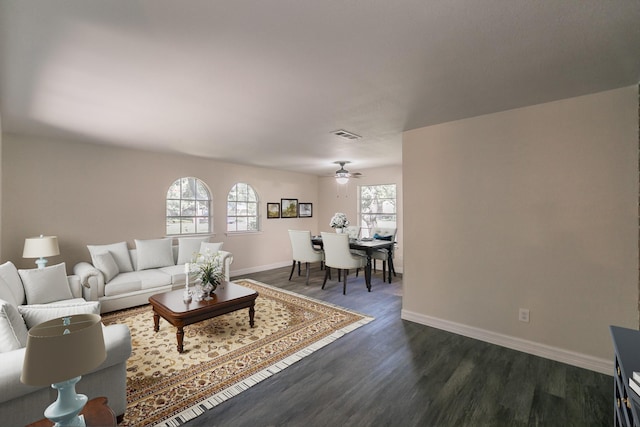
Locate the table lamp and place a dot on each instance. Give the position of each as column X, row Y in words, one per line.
column 41, row 247
column 58, row 352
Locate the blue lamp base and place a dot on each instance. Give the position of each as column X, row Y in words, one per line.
column 42, row 262
column 64, row 412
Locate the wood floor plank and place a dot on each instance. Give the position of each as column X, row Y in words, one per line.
column 392, row 372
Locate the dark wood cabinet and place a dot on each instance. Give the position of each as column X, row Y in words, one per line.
column 626, row 344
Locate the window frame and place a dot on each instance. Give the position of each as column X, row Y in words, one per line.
column 365, row 229
column 247, row 217
column 197, row 201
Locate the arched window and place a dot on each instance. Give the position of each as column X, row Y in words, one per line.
column 188, row 207
column 242, row 208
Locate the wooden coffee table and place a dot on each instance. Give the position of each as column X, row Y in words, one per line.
column 228, row 297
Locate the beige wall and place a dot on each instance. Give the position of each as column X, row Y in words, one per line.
column 344, row 198
column 92, row 194
column 536, row 208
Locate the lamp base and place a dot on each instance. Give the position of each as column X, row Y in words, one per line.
column 42, row 262
column 64, row 412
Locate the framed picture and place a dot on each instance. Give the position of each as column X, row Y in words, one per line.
column 305, row 210
column 273, row 210
column 289, row 208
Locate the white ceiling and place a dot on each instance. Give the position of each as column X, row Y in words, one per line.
column 265, row 82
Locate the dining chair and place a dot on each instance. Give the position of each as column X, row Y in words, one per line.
column 337, row 255
column 303, row 251
column 384, row 255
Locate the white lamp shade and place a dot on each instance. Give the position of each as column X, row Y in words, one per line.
column 38, row 247
column 57, row 351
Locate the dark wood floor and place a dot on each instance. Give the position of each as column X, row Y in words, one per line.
column 393, row 372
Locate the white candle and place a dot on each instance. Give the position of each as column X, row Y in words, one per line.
column 186, row 273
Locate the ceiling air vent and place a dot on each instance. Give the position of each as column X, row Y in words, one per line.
column 346, row 135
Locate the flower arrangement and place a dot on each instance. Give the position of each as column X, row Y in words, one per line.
column 209, row 270
column 339, row 220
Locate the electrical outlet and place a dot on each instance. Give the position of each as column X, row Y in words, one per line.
column 523, row 315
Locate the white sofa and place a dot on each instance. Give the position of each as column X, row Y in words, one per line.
column 119, row 277
column 25, row 302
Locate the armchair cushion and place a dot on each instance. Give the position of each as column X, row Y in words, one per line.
column 154, row 253
column 38, row 313
column 120, row 254
column 13, row 332
column 44, row 285
column 188, row 247
column 107, row 265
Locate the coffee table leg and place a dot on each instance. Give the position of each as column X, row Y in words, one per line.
column 252, row 312
column 156, row 322
column 180, row 337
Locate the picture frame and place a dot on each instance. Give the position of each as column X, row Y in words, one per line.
column 305, row 210
column 273, row 210
column 288, row 208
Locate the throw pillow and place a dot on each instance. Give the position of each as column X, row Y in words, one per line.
column 44, row 285
column 38, row 313
column 154, row 253
column 188, row 248
column 379, row 237
column 107, row 265
column 119, row 251
column 212, row 248
column 15, row 293
column 13, row 332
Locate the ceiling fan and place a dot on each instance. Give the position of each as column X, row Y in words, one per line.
column 342, row 175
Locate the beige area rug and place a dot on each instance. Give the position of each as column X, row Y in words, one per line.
column 222, row 356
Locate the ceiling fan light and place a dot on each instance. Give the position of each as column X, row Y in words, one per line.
column 340, row 179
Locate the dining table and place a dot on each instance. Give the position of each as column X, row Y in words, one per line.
column 368, row 246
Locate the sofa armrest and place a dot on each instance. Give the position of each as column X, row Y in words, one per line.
column 75, row 286
column 92, row 281
column 226, row 258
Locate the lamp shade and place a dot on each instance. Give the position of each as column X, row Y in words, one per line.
column 43, row 246
column 63, row 348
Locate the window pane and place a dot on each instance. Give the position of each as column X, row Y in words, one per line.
column 173, row 207
column 188, row 225
column 241, row 208
column 252, row 223
column 201, row 191
column 173, row 225
column 174, row 190
column 188, row 188
column 233, row 194
column 252, row 209
column 251, row 195
column 231, row 224
column 241, row 223
column 187, row 208
column 231, row 208
column 202, row 225
column 203, row 208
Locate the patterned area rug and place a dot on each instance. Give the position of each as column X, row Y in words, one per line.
column 222, row 356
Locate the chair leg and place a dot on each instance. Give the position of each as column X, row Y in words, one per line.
column 299, row 268
column 308, row 269
column 384, row 270
column 344, row 286
column 293, row 267
column 326, row 274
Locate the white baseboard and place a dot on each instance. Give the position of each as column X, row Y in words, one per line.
column 596, row 364
column 259, row 268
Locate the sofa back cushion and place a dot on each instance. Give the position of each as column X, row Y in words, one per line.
column 11, row 289
column 44, row 285
column 154, row 253
column 107, row 265
column 188, row 248
column 38, row 313
column 13, row 331
column 119, row 252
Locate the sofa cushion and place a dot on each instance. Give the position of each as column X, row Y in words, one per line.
column 154, row 253
column 13, row 331
column 188, row 248
column 43, row 285
column 176, row 272
column 38, row 313
column 211, row 248
column 123, row 284
column 107, row 265
column 11, row 289
column 120, row 254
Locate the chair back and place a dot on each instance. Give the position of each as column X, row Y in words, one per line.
column 382, row 233
column 302, row 248
column 353, row 231
column 337, row 253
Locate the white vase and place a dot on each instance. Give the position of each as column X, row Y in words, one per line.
column 339, row 230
